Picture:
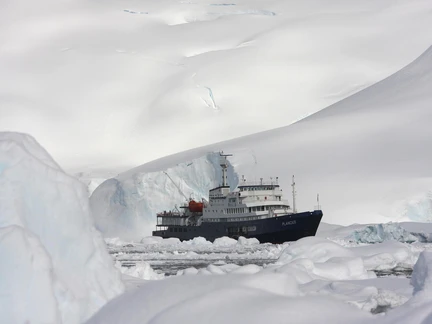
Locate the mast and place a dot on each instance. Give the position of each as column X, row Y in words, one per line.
column 294, row 195
column 224, row 166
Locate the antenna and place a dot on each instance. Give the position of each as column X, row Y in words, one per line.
column 294, row 195
column 224, row 165
column 318, row 203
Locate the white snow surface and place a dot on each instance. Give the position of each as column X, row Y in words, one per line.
column 370, row 163
column 54, row 265
column 379, row 256
column 233, row 298
column 112, row 84
column 312, row 273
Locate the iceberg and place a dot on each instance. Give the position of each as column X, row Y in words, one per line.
column 378, row 233
column 55, row 267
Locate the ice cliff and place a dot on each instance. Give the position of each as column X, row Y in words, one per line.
column 54, row 265
column 126, row 206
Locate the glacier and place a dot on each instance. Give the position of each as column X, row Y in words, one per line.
column 126, row 206
column 55, row 267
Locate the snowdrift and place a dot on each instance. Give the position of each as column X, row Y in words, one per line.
column 126, row 206
column 233, row 298
column 55, row 267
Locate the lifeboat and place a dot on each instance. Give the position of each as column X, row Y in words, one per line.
column 196, row 207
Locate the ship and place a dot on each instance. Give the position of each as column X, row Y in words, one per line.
column 253, row 210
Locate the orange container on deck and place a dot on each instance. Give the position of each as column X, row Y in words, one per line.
column 196, row 207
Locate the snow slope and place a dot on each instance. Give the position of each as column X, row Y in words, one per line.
column 54, row 265
column 106, row 85
column 367, row 156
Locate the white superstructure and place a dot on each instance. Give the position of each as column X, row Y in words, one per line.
column 249, row 201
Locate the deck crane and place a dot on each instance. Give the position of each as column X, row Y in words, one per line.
column 178, row 188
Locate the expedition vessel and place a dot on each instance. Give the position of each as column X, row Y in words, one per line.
column 251, row 210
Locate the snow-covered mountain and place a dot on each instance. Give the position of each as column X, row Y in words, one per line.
column 54, row 265
column 107, row 85
column 367, row 156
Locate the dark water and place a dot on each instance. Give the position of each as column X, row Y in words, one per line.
column 397, row 272
column 170, row 262
column 170, row 267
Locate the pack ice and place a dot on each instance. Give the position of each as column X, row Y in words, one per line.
column 54, row 266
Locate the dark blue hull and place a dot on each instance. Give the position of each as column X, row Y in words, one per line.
column 269, row 230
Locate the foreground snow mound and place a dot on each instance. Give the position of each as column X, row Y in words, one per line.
column 257, row 298
column 387, row 255
column 55, row 268
column 418, row 308
column 314, row 248
column 126, row 206
column 221, row 269
column 378, row 233
column 317, row 258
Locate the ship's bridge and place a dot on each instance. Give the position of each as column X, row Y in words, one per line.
column 219, row 192
column 253, row 192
